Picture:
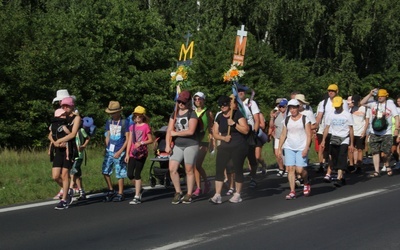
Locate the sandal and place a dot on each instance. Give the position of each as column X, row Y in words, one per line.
column 389, row 171
column 230, row 191
column 375, row 174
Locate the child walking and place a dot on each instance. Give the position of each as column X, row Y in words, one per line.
column 136, row 150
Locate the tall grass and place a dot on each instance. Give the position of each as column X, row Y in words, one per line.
column 25, row 176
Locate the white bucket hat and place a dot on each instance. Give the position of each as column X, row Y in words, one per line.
column 61, row 94
column 302, row 98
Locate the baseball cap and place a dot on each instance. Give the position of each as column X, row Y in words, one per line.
column 337, row 101
column 333, row 87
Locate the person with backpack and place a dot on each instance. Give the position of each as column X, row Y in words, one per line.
column 324, row 109
column 117, row 130
column 253, row 119
column 361, row 121
column 278, row 127
column 62, row 166
column 205, row 122
column 181, row 131
column 231, row 128
column 381, row 135
column 340, row 125
column 82, row 139
column 295, row 140
column 136, row 151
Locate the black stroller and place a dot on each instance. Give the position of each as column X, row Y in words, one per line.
column 159, row 164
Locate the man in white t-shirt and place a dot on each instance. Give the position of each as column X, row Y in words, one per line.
column 361, row 121
column 381, row 138
column 253, row 119
column 324, row 109
column 340, row 125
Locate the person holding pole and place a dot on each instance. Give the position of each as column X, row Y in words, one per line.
column 230, row 127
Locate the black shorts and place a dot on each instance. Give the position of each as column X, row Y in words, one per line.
column 395, row 143
column 359, row 143
column 60, row 160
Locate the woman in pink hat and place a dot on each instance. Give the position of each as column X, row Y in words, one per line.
column 62, row 165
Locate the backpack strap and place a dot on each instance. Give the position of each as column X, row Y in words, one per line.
column 303, row 118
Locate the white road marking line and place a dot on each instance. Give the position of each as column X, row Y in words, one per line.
column 238, row 228
column 326, row 204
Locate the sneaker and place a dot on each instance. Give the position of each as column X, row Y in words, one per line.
column 383, row 169
column 253, row 183
column 307, row 189
column 285, row 174
column 235, row 198
column 82, row 195
column 327, row 178
column 291, row 196
column 177, row 198
column 59, row 195
column 136, row 200
column 280, row 173
column 61, row 205
column 350, row 169
column 339, row 183
column 207, row 187
column 70, row 196
column 110, row 195
column 216, row 199
column 76, row 191
column 187, row 199
column 197, row 192
column 118, row 198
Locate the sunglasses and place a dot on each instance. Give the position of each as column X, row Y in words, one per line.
column 224, row 105
column 180, row 102
column 282, row 106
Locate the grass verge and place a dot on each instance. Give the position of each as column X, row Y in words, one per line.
column 26, row 175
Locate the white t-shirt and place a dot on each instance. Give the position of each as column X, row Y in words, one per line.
column 254, row 110
column 378, row 110
column 328, row 110
column 296, row 137
column 359, row 117
column 310, row 116
column 339, row 124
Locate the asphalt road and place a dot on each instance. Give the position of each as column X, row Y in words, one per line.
column 364, row 214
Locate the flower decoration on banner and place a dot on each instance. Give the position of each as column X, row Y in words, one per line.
column 233, row 74
column 180, row 77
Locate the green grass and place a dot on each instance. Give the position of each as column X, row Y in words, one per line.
column 26, row 175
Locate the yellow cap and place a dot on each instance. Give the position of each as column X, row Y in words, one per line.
column 383, row 92
column 139, row 110
column 333, row 87
column 337, row 101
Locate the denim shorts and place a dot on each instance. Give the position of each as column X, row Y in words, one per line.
column 294, row 158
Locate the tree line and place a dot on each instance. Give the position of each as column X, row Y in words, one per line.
column 125, row 50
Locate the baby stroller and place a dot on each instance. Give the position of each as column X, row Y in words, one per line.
column 159, row 164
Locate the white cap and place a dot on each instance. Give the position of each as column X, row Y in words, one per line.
column 200, row 94
column 293, row 102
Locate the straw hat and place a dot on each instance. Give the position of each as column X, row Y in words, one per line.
column 113, row 107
